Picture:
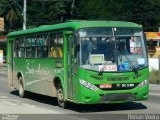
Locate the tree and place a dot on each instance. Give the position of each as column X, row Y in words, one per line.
column 145, row 12
column 91, row 9
column 45, row 12
column 11, row 14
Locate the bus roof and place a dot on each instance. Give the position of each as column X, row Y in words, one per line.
column 75, row 25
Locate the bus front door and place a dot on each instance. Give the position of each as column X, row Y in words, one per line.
column 69, row 67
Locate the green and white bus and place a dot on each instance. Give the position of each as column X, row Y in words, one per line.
column 84, row 62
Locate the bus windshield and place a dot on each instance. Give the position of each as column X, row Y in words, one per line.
column 112, row 49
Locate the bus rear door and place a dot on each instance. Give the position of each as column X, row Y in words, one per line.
column 10, row 63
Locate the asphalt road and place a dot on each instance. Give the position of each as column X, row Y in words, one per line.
column 42, row 107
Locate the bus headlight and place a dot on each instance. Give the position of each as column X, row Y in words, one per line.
column 142, row 84
column 88, row 85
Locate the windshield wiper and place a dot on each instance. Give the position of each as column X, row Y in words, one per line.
column 101, row 71
column 132, row 65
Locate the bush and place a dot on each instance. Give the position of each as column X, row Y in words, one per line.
column 154, row 77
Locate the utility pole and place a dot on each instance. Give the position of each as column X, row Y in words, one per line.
column 24, row 14
column 72, row 6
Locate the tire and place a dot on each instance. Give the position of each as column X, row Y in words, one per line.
column 21, row 91
column 60, row 97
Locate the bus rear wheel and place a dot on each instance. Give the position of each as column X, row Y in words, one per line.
column 21, row 90
column 60, row 97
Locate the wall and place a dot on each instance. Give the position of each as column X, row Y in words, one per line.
column 154, row 64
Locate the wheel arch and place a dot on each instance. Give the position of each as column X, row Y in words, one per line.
column 57, row 80
column 20, row 74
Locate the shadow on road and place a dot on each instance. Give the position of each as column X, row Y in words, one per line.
column 85, row 108
column 108, row 107
column 38, row 98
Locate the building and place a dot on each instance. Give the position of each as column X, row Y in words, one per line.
column 153, row 44
column 3, row 47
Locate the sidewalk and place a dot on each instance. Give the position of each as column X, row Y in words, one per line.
column 154, row 88
column 3, row 69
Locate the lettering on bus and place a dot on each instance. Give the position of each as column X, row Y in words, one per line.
column 39, row 71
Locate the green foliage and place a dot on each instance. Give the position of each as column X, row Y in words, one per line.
column 145, row 12
column 91, row 9
column 11, row 13
column 39, row 12
column 154, row 77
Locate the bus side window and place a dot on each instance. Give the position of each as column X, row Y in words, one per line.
column 42, row 45
column 30, row 47
column 16, row 48
column 56, row 52
column 20, row 48
column 42, row 51
column 56, row 45
column 52, row 52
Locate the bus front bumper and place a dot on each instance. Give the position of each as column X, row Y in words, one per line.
column 88, row 96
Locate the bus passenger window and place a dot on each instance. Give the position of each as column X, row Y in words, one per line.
column 52, row 52
column 56, row 45
column 21, row 52
column 56, row 52
column 42, row 51
column 30, row 52
column 60, row 52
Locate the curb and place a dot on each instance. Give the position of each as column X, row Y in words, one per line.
column 3, row 74
column 154, row 88
column 3, row 69
column 154, row 91
column 155, row 94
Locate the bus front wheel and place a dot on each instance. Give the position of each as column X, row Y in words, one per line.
column 21, row 90
column 60, row 97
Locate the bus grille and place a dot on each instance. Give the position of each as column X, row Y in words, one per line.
column 117, row 78
column 118, row 97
